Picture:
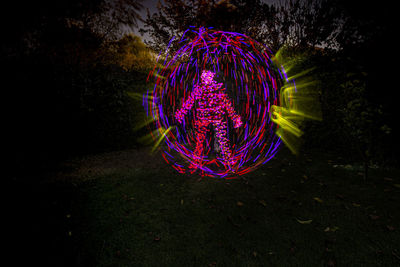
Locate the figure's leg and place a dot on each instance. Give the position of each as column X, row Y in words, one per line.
column 221, row 134
column 215, row 143
column 201, row 133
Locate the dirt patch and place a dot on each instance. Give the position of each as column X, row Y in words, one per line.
column 91, row 166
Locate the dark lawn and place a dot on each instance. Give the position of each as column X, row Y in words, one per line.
column 131, row 209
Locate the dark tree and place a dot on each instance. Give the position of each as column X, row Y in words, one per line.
column 300, row 24
column 63, row 99
column 349, row 42
column 175, row 16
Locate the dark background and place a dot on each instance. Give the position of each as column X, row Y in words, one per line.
column 65, row 94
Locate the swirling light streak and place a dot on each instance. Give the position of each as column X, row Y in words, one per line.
column 247, row 70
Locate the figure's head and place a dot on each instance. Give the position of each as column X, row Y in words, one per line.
column 207, row 77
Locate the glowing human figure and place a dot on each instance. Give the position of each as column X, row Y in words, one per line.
column 212, row 106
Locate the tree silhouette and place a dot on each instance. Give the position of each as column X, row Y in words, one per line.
column 297, row 23
column 338, row 36
column 175, row 16
column 63, row 99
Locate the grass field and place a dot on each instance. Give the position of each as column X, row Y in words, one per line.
column 129, row 208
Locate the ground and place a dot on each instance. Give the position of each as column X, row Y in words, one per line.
column 130, row 208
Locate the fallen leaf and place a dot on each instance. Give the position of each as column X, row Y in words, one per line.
column 340, row 197
column 345, row 206
column 181, row 201
column 318, row 199
column 240, row 204
column 388, row 179
column 333, row 229
column 330, row 263
column 348, row 166
column 232, row 222
column 255, row 253
column 262, row 202
column 374, row 217
column 293, row 247
column 305, row 177
column 304, row 222
column 390, row 228
column 356, row 205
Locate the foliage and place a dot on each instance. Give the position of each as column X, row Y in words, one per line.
column 333, row 37
column 62, row 111
column 353, row 120
column 130, row 53
column 104, row 18
column 68, row 67
column 296, row 23
column 299, row 24
column 65, row 98
column 113, row 16
column 175, row 16
column 362, row 120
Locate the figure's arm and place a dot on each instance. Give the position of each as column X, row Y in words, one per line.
column 180, row 113
column 231, row 113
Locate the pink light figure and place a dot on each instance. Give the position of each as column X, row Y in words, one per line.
column 212, row 106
